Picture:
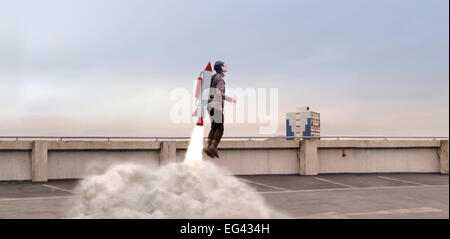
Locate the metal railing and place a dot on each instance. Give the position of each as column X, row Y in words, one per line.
column 61, row 138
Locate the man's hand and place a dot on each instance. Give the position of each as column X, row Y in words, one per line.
column 234, row 99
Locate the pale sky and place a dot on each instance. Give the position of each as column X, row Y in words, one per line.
column 106, row 68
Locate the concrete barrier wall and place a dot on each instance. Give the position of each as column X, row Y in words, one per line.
column 15, row 165
column 252, row 157
column 365, row 156
column 79, row 164
column 378, row 160
column 43, row 160
column 255, row 161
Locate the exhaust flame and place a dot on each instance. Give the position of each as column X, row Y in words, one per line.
column 194, row 152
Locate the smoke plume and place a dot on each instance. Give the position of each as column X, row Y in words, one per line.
column 191, row 189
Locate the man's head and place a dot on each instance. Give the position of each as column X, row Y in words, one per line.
column 220, row 67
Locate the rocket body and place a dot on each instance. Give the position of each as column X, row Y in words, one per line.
column 202, row 93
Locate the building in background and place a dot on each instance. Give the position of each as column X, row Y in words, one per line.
column 304, row 122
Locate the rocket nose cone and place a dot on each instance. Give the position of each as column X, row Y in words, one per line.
column 208, row 67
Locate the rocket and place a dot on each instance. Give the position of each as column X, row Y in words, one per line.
column 202, row 93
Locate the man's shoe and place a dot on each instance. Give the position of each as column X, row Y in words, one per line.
column 207, row 150
column 213, row 148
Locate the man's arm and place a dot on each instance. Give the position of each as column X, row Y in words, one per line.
column 221, row 87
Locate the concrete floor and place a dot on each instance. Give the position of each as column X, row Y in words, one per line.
column 323, row 196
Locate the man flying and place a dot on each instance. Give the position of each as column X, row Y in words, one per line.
column 215, row 108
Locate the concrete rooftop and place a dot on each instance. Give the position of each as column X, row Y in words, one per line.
column 325, row 196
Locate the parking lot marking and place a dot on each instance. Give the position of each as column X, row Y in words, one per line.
column 403, row 181
column 336, row 215
column 396, row 211
column 36, row 198
column 326, row 215
column 58, row 188
column 346, row 189
column 265, row 185
column 329, row 181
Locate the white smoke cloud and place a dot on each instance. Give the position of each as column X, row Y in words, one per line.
column 177, row 190
column 191, row 189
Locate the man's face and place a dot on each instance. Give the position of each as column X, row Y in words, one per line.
column 224, row 68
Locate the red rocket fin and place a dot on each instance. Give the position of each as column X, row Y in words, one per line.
column 200, row 121
column 208, row 67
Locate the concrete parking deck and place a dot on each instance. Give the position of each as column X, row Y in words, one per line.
column 324, row 196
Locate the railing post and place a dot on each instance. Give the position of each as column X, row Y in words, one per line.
column 308, row 157
column 168, row 152
column 443, row 155
column 39, row 161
